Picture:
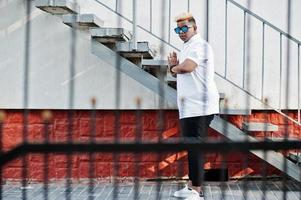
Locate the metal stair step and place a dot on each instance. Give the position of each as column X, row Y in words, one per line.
column 58, row 7
column 82, row 21
column 279, row 139
column 154, row 63
column 157, row 67
column 295, row 156
column 259, row 126
column 225, row 111
column 110, row 35
column 126, row 50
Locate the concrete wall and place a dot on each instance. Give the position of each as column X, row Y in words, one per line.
column 49, row 67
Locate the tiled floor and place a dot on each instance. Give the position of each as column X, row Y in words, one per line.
column 232, row 190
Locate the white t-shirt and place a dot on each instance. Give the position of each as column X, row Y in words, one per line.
column 196, row 91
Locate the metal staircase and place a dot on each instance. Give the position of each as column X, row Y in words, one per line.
column 113, row 44
column 59, row 7
column 110, row 36
column 82, row 21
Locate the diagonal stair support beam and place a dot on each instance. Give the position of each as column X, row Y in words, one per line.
column 130, row 69
column 220, row 125
column 273, row 158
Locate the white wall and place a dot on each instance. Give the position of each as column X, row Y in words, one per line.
column 49, row 67
column 52, row 74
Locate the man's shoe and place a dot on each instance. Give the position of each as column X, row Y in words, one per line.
column 195, row 197
column 185, row 192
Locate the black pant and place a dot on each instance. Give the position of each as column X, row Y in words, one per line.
column 195, row 128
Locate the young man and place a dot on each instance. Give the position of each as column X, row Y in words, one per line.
column 197, row 95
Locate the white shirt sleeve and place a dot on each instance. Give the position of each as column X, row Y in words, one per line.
column 198, row 54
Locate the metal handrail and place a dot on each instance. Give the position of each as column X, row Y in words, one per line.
column 246, row 11
column 138, row 26
column 265, row 22
column 282, row 34
column 231, row 1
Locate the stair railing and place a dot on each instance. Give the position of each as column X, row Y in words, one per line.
column 282, row 35
column 247, row 13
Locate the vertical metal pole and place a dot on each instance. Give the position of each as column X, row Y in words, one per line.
column 25, row 98
column 262, row 60
column 287, row 95
column 181, row 162
column 226, row 38
column 70, row 114
column 207, row 21
column 265, row 166
column 138, row 139
column 298, row 83
column 169, row 19
column 1, row 149
column 244, row 53
column 151, row 15
column 91, row 154
column 280, row 74
column 247, row 57
column 117, row 117
column 134, row 39
column 162, row 70
column 246, row 85
column 222, row 139
column 188, row 5
column 46, row 117
column 288, row 56
column 161, row 114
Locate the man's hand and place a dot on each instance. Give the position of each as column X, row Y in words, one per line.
column 172, row 61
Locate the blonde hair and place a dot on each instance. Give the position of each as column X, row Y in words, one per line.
column 184, row 16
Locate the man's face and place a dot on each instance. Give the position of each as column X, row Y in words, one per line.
column 185, row 36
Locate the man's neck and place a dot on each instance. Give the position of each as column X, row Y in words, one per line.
column 191, row 37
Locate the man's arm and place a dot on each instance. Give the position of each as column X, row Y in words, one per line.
column 186, row 66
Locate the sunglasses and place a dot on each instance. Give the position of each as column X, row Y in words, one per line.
column 183, row 29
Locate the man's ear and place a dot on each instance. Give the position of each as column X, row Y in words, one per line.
column 195, row 27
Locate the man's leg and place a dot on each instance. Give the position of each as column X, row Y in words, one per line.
column 195, row 128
